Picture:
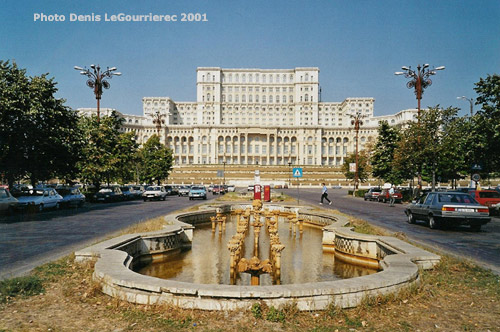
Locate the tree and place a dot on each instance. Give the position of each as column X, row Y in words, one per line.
column 435, row 146
column 108, row 155
column 127, row 157
column 485, row 147
column 156, row 161
column 383, row 154
column 363, row 166
column 40, row 136
column 14, row 101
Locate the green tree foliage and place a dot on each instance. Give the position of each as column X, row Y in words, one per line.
column 436, row 146
column 485, row 142
column 108, row 155
column 383, row 154
column 156, row 161
column 363, row 166
column 39, row 135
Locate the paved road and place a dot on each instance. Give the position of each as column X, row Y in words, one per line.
column 29, row 240
column 33, row 239
column 482, row 247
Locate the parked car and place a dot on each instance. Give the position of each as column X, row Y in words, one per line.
column 231, row 188
column 175, row 190
column 372, row 194
column 154, row 193
column 137, row 191
column 453, row 208
column 71, row 197
column 197, row 192
column 489, row 198
column 109, row 194
column 127, row 192
column 8, row 203
column 218, row 190
column 169, row 190
column 184, row 190
column 385, row 197
column 250, row 187
column 39, row 199
column 210, row 187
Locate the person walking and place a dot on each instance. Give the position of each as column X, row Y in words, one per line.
column 324, row 195
column 391, row 196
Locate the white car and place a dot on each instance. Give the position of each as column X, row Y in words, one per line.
column 8, row 203
column 154, row 193
column 39, row 199
column 231, row 188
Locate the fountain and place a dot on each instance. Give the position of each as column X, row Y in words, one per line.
column 249, row 232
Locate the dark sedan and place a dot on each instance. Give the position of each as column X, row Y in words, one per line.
column 452, row 208
column 109, row 194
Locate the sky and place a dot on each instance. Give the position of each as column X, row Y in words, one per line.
column 357, row 45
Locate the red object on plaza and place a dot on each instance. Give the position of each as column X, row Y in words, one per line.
column 257, row 192
column 267, row 193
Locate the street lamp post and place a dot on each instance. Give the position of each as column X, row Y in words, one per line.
column 289, row 172
column 471, row 101
column 224, row 173
column 97, row 81
column 357, row 122
column 419, row 80
column 158, row 121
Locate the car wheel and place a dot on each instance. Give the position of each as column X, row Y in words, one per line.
column 366, row 199
column 10, row 211
column 475, row 228
column 145, row 199
column 411, row 218
column 80, row 204
column 164, row 198
column 205, row 198
column 432, row 223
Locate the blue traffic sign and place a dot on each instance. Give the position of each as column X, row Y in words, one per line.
column 297, row 172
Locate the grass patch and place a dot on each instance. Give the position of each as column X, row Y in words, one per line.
column 150, row 225
column 20, row 287
column 363, row 227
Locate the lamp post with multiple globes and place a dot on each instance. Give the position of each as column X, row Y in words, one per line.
column 97, row 81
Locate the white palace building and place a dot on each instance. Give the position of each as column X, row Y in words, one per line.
column 258, row 116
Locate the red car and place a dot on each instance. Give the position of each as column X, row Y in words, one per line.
column 218, row 190
column 487, row 197
column 385, row 197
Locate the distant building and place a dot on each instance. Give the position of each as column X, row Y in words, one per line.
column 258, row 116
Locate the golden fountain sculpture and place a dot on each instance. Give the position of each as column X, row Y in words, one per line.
column 254, row 266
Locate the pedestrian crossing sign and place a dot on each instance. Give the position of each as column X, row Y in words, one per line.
column 297, row 172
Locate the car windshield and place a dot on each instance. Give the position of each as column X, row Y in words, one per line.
column 32, row 193
column 3, row 193
column 125, row 188
column 456, row 198
column 64, row 192
column 154, row 188
column 489, row 194
column 198, row 188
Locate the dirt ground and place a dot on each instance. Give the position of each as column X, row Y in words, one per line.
column 456, row 296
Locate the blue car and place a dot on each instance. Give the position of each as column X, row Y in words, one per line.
column 197, row 192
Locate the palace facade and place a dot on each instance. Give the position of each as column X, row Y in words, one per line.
column 258, row 116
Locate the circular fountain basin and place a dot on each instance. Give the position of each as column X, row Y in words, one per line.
column 398, row 262
column 207, row 261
